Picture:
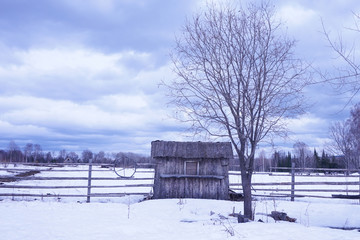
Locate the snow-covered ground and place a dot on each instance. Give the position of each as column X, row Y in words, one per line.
column 173, row 219
column 130, row 218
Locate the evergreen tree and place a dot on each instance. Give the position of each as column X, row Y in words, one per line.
column 325, row 161
column 317, row 159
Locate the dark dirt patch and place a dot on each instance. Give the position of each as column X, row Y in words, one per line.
column 347, row 228
column 19, row 175
column 28, row 173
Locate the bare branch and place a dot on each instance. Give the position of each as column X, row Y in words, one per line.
column 346, row 77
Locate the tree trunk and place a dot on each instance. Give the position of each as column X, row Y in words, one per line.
column 246, row 185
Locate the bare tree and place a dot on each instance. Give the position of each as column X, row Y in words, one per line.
column 86, row 155
column 28, row 149
column 3, row 156
column 342, row 140
column 48, row 157
column 303, row 156
column 262, row 163
column 38, row 152
column 73, row 156
column 238, row 79
column 62, row 155
column 346, row 78
column 345, row 137
column 14, row 153
column 99, row 157
column 355, row 129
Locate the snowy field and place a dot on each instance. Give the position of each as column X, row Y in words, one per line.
column 130, row 218
column 172, row 219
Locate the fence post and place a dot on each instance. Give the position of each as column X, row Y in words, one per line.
column 292, row 181
column 89, row 182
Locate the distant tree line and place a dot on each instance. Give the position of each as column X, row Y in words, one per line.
column 33, row 153
column 307, row 159
column 304, row 158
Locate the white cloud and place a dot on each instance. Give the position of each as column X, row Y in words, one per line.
column 65, row 114
column 308, row 128
column 121, row 102
column 78, row 73
column 296, row 15
column 50, row 60
column 15, row 131
column 308, row 123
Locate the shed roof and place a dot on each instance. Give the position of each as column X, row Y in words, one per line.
column 191, row 149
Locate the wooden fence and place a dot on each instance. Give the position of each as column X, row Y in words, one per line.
column 297, row 182
column 84, row 184
column 93, row 181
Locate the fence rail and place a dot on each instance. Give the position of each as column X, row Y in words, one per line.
column 59, row 187
column 74, row 178
column 299, row 183
column 315, row 169
column 69, row 195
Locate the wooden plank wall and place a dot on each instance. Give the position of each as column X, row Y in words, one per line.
column 183, row 186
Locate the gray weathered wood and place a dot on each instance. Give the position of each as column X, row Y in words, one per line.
column 59, row 187
column 317, row 169
column 298, row 190
column 89, row 182
column 73, row 178
column 70, row 195
column 298, row 183
column 292, row 180
column 190, row 176
column 208, row 176
column 346, row 196
column 313, row 175
column 53, row 170
column 199, row 150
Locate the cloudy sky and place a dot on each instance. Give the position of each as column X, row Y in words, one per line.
column 84, row 74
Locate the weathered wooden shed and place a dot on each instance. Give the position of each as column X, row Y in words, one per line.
column 191, row 169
